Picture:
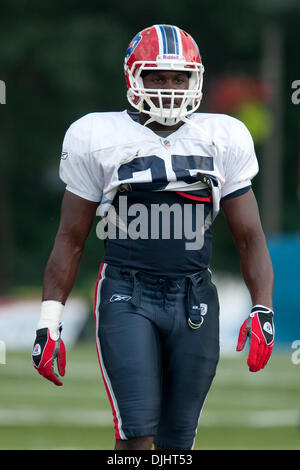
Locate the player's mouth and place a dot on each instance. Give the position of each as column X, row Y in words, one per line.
column 167, row 103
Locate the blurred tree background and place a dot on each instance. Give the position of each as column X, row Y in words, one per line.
column 63, row 59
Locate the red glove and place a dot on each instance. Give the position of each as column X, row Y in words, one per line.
column 46, row 351
column 259, row 327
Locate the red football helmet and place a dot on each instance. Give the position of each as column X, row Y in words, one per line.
column 163, row 47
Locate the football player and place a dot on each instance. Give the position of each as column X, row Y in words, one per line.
column 157, row 176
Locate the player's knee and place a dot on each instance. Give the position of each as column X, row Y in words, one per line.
column 135, row 443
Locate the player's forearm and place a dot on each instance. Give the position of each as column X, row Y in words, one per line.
column 61, row 270
column 257, row 270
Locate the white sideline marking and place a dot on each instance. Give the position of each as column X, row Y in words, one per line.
column 89, row 370
column 254, row 419
column 34, row 417
column 103, row 418
column 76, row 370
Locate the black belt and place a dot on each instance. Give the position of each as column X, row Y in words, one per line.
column 193, row 296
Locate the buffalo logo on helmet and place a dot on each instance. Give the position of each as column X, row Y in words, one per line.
column 133, row 44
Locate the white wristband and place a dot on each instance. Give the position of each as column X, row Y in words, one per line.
column 51, row 312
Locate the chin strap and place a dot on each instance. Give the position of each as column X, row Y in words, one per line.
column 151, row 119
column 164, row 121
column 160, row 121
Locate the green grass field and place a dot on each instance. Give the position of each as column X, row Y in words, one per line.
column 242, row 411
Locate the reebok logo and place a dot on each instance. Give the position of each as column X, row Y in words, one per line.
column 201, row 307
column 118, row 297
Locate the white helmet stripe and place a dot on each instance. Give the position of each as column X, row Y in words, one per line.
column 178, row 40
column 160, row 40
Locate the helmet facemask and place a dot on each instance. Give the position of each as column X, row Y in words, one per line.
column 189, row 99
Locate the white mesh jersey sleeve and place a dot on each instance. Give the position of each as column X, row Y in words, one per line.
column 241, row 163
column 78, row 167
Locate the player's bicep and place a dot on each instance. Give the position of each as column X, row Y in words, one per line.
column 242, row 216
column 77, row 216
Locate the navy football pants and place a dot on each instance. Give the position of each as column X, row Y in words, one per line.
column 156, row 369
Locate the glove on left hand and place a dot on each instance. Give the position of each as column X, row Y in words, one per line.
column 259, row 327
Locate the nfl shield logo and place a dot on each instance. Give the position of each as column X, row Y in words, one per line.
column 165, row 142
column 203, row 309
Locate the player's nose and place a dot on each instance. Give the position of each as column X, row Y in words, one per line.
column 167, row 84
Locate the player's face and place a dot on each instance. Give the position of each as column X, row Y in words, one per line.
column 168, row 80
